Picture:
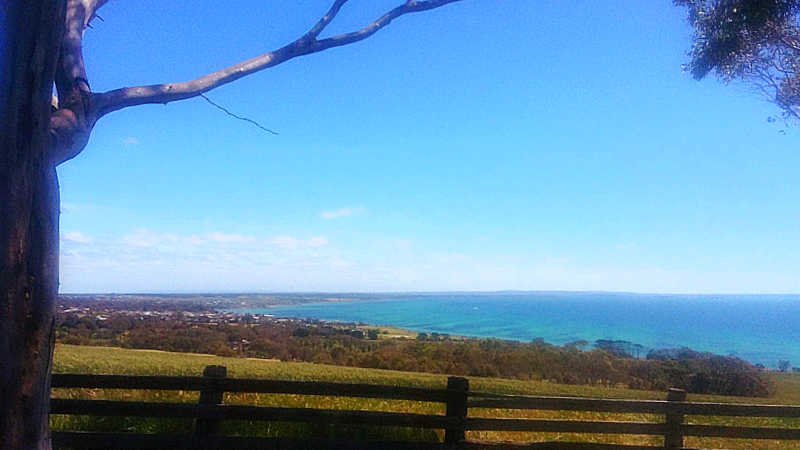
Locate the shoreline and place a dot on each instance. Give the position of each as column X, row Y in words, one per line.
column 753, row 329
column 412, row 332
column 406, row 333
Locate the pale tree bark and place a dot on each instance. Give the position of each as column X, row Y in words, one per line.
column 42, row 46
column 73, row 122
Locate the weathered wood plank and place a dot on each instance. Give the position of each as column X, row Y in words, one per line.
column 565, row 426
column 92, row 440
column 733, row 409
column 791, row 434
column 74, row 380
column 205, row 427
column 247, row 385
column 215, row 412
column 674, row 437
column 569, row 404
column 329, row 416
column 220, row 412
column 456, row 409
column 630, row 406
column 556, row 445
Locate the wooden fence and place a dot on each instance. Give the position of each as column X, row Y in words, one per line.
column 459, row 401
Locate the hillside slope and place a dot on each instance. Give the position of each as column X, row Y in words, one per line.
column 109, row 360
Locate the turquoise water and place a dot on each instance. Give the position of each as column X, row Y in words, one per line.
column 758, row 328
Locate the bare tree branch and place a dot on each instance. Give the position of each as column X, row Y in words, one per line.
column 71, row 65
column 314, row 32
column 71, row 69
column 308, row 43
column 96, row 4
column 71, row 122
column 410, row 6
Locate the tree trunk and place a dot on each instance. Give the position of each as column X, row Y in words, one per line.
column 29, row 209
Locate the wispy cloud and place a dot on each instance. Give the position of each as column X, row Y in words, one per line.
column 229, row 238
column 156, row 260
column 71, row 207
column 402, row 243
column 146, row 259
column 341, row 212
column 290, row 242
column 130, row 140
column 143, row 237
column 77, row 236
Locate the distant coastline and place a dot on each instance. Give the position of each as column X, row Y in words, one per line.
column 757, row 328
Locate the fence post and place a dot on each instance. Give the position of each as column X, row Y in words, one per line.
column 456, row 407
column 674, row 438
column 205, row 427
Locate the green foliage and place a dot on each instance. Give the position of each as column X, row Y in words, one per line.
column 611, row 364
column 707, row 373
column 580, row 344
column 623, row 349
column 757, row 41
column 301, row 332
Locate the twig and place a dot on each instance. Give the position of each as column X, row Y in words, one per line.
column 223, row 109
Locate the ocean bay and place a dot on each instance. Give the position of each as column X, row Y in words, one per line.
column 758, row 328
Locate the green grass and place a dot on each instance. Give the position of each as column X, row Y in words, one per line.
column 105, row 360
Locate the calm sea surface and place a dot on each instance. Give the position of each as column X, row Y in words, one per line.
column 759, row 328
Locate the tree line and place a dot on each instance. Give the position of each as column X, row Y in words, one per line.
column 610, row 363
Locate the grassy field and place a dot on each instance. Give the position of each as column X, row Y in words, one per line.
column 105, row 360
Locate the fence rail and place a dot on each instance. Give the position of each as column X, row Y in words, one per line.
column 459, row 402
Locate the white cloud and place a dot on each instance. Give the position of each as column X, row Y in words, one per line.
column 229, row 238
column 341, row 212
column 143, row 237
column 148, row 260
column 317, row 241
column 284, row 241
column 130, row 140
column 77, row 236
column 71, row 207
column 402, row 243
column 292, row 243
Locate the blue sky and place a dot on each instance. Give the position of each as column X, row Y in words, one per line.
column 486, row 145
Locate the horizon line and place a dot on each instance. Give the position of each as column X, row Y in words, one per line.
column 434, row 292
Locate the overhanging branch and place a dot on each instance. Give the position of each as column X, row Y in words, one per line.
column 308, row 43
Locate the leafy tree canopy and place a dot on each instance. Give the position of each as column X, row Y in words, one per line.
column 757, row 41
